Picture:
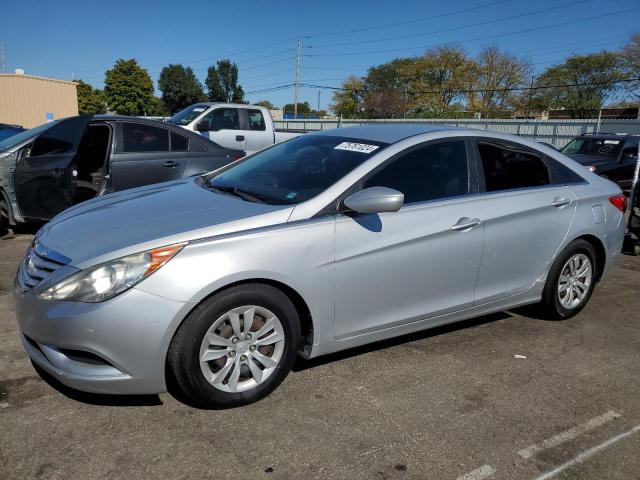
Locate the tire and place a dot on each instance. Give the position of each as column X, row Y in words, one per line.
column 555, row 303
column 200, row 362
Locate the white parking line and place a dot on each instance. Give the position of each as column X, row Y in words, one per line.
column 484, row 471
column 587, row 453
column 567, row 435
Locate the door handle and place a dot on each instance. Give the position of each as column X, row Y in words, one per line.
column 466, row 223
column 560, row 202
column 239, row 138
column 170, row 164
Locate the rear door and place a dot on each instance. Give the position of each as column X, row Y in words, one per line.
column 44, row 179
column 256, row 134
column 526, row 217
column 144, row 156
column 226, row 127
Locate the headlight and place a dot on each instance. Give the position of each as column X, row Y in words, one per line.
column 109, row 279
column 592, row 168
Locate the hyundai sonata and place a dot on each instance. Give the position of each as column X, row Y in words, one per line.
column 325, row 242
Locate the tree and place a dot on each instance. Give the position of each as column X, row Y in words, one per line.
column 222, row 83
column 303, row 108
column 158, row 108
column 349, row 102
column 387, row 89
column 180, row 87
column 128, row 88
column 266, row 104
column 630, row 64
column 90, row 100
column 441, row 76
column 496, row 74
column 581, row 84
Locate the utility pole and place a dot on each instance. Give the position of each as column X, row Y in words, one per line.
column 295, row 90
column 318, row 102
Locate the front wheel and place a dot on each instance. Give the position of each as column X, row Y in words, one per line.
column 570, row 281
column 236, row 347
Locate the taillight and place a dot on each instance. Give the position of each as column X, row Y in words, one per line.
column 619, row 201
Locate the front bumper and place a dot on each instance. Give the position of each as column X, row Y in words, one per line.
column 118, row 346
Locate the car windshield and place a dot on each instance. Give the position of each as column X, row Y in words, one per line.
column 186, row 116
column 9, row 132
column 602, row 147
column 294, row 171
column 19, row 137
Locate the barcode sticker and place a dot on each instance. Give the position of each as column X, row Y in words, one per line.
column 356, row 147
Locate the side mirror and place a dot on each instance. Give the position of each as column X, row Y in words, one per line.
column 375, row 200
column 203, row 126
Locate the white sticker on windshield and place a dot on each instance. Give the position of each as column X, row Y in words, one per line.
column 611, row 142
column 356, row 147
column 199, row 109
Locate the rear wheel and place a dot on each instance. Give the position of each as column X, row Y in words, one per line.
column 570, row 281
column 236, row 347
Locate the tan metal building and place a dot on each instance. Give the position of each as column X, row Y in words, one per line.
column 30, row 101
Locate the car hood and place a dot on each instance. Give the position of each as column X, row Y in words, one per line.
column 588, row 159
column 134, row 220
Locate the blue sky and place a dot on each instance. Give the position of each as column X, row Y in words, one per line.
column 84, row 38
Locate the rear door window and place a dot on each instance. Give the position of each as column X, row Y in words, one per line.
column 138, row 137
column 508, row 167
column 256, row 120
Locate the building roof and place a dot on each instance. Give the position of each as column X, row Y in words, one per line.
column 17, row 75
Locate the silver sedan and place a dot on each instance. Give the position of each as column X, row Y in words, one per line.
column 322, row 243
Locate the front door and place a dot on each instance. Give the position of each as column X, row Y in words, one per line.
column 422, row 261
column 526, row 218
column 44, row 179
column 225, row 128
column 144, row 156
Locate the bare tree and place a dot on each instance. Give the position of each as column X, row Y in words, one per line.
column 496, row 74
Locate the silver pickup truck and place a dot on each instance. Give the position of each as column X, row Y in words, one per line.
column 238, row 126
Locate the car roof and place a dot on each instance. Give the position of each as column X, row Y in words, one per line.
column 387, row 133
column 608, row 135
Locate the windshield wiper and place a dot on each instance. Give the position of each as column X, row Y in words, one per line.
column 250, row 197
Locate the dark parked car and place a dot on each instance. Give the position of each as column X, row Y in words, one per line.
column 610, row 155
column 51, row 167
column 7, row 130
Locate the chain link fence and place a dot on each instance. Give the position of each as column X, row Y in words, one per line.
column 556, row 132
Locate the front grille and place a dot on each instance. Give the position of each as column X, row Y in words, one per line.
column 38, row 264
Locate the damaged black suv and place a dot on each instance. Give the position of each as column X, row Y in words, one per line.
column 51, row 167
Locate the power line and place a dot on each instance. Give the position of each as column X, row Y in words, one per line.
column 474, row 90
column 451, row 29
column 273, row 89
column 487, row 37
column 407, row 22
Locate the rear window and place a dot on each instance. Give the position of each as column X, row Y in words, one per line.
column 602, row 147
column 179, row 143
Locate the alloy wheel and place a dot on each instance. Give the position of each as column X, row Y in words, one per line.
column 575, row 281
column 242, row 348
